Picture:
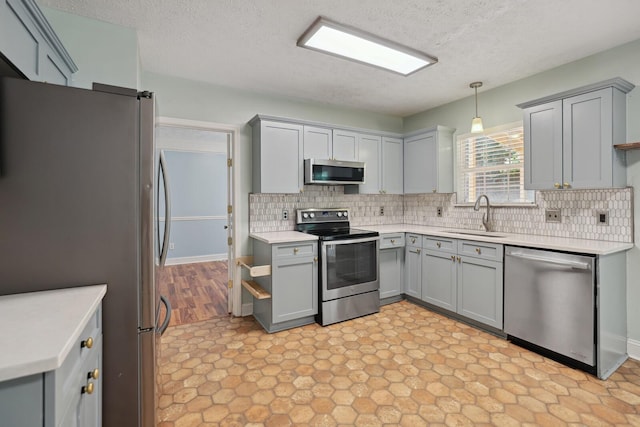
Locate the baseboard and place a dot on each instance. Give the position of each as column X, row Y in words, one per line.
column 247, row 309
column 633, row 348
column 196, row 259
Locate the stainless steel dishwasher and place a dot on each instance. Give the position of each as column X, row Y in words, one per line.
column 549, row 301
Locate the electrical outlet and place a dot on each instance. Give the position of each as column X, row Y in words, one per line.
column 552, row 215
column 439, row 211
column 602, row 217
column 381, row 210
column 172, row 245
column 285, row 214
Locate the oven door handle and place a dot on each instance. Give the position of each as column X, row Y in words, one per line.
column 350, row 241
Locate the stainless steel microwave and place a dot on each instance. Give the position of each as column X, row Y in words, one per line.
column 333, row 172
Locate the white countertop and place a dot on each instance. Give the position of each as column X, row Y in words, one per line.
column 283, row 237
column 38, row 329
column 596, row 247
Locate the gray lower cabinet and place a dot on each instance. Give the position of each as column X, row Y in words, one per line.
column 29, row 43
column 463, row 277
column 293, row 284
column 569, row 138
column 391, row 261
column 413, row 266
column 68, row 396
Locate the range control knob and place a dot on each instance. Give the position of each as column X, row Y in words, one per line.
column 305, row 215
column 312, row 215
column 344, row 214
column 339, row 214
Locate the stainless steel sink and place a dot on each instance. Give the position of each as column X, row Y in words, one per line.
column 490, row 234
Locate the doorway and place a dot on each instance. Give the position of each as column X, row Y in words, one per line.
column 196, row 276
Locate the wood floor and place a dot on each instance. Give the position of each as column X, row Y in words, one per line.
column 196, row 292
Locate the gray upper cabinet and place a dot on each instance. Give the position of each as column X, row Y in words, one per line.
column 569, row 138
column 370, row 150
column 345, row 145
column 277, row 156
column 428, row 161
column 318, row 142
column 392, row 165
column 29, row 43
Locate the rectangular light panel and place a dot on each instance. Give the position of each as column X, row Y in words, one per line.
column 356, row 45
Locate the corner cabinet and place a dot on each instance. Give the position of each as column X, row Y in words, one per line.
column 277, row 156
column 293, row 284
column 428, row 161
column 29, row 43
column 569, row 138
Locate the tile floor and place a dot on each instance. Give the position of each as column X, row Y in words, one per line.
column 403, row 366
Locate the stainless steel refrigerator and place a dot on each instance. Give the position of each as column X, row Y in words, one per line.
column 77, row 192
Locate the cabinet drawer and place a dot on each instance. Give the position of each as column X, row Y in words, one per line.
column 414, row 240
column 391, row 240
column 484, row 250
column 294, row 249
column 439, row 244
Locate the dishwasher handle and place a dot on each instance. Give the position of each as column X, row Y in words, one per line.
column 566, row 263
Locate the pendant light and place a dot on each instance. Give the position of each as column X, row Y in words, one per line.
column 476, row 123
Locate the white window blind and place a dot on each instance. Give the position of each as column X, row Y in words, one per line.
column 492, row 163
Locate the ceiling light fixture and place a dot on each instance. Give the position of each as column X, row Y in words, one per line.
column 476, row 123
column 359, row 46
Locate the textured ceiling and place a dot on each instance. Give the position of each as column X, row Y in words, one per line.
column 251, row 44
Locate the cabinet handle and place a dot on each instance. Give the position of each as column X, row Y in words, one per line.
column 453, row 258
column 88, row 343
column 418, row 251
column 95, row 374
column 557, row 185
column 413, row 240
column 566, row 185
column 315, row 259
column 478, row 251
column 433, row 191
column 459, row 260
column 295, row 251
column 438, row 244
column 88, row 388
column 393, row 241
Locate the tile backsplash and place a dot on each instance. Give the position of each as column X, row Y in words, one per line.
column 579, row 210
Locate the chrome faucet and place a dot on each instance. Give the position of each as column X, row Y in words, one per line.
column 486, row 218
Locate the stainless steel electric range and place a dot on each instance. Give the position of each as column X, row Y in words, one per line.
column 349, row 273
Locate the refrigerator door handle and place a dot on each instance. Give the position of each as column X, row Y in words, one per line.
column 167, row 218
column 167, row 317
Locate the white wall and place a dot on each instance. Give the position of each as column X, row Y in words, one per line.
column 498, row 106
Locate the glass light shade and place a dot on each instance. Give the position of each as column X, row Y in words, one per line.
column 476, row 125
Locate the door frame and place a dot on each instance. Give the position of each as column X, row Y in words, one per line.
column 233, row 137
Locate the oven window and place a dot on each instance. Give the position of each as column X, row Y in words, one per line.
column 351, row 264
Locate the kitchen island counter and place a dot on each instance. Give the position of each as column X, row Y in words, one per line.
column 39, row 328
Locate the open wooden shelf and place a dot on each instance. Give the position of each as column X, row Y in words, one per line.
column 627, row 146
column 254, row 270
column 255, row 289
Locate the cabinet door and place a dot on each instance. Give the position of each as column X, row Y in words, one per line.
column 543, row 146
column 421, row 163
column 413, row 269
column 281, row 162
column 317, row 143
column 369, row 149
column 294, row 291
column 22, row 401
column 480, row 290
column 345, row 145
column 392, row 170
column 391, row 266
column 587, row 140
column 439, row 279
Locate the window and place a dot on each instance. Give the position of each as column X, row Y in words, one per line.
column 492, row 163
